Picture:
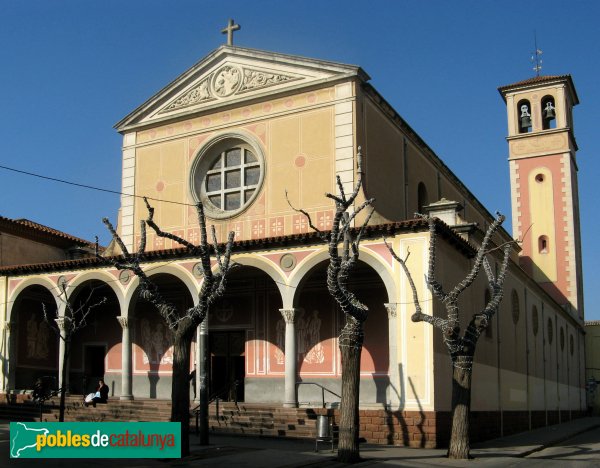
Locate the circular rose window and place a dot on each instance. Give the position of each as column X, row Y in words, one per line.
column 226, row 176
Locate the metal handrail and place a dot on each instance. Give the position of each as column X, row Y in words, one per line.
column 323, row 390
column 215, row 398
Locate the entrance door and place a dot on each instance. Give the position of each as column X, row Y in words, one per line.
column 93, row 370
column 227, row 364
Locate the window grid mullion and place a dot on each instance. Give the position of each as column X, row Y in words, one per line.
column 222, row 180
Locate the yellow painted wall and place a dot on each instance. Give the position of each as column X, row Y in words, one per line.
column 384, row 178
column 297, row 141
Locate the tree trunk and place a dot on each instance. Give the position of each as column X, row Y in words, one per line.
column 203, row 394
column 351, row 340
column 180, row 392
column 461, row 408
column 63, row 389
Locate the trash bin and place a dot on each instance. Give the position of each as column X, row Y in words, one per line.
column 324, row 430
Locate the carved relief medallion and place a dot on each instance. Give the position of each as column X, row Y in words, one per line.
column 226, row 81
column 124, row 276
column 288, row 262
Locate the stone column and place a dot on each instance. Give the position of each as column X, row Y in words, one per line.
column 291, row 359
column 126, row 360
column 395, row 388
column 62, row 323
column 202, row 357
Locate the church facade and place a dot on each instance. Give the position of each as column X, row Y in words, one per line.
column 248, row 133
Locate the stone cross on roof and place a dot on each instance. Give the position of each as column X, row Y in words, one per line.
column 231, row 27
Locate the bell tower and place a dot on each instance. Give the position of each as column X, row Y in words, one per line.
column 543, row 179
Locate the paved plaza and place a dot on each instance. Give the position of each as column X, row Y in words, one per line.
column 575, row 443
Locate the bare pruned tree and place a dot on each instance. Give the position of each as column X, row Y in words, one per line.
column 183, row 323
column 67, row 325
column 461, row 345
column 341, row 263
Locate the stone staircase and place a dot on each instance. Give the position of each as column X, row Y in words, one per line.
column 141, row 409
column 264, row 420
column 243, row 418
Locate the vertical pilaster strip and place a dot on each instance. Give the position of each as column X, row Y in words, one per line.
column 126, row 361
column 394, row 389
column 344, row 135
column 126, row 226
column 290, row 399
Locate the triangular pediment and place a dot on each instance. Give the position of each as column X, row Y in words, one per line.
column 230, row 75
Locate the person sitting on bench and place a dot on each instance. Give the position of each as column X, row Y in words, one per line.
column 101, row 395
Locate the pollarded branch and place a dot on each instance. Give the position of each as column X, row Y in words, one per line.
column 436, row 287
column 481, row 252
column 418, row 316
column 167, row 235
column 321, row 234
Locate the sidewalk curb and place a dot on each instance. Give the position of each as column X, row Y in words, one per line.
column 558, row 440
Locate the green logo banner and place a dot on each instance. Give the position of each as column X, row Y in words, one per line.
column 95, row 440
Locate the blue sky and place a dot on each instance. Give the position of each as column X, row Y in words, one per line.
column 72, row 68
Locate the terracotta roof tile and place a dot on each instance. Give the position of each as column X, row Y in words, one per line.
column 27, row 226
column 415, row 225
column 535, row 80
column 541, row 79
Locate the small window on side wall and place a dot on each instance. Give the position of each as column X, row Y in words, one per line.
column 422, row 196
column 543, row 245
column 524, row 112
column 548, row 113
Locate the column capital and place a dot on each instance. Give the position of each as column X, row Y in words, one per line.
column 289, row 314
column 125, row 321
column 62, row 323
column 391, row 308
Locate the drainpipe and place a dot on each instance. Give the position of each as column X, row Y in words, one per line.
column 5, row 330
column 568, row 354
column 557, row 368
column 405, row 169
column 527, row 352
column 499, row 374
column 544, row 361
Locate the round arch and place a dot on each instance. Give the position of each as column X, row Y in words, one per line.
column 268, row 267
column 177, row 271
column 37, row 281
column 372, row 260
column 102, row 276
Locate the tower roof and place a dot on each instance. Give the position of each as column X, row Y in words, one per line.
column 538, row 80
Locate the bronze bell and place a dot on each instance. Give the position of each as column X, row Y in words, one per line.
column 549, row 113
column 525, row 117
